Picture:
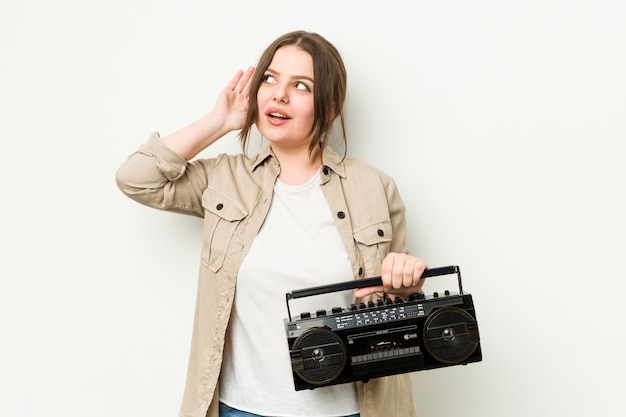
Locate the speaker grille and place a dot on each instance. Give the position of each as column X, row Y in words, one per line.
column 451, row 335
column 322, row 358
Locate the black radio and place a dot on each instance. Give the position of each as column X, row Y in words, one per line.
column 390, row 336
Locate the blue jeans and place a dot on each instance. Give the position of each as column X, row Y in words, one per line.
column 226, row 411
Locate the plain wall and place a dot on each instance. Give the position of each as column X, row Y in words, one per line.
column 502, row 123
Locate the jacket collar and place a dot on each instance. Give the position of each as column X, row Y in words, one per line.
column 330, row 159
column 264, row 154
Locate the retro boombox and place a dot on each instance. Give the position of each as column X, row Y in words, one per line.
column 383, row 338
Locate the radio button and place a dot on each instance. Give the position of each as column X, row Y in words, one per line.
column 417, row 296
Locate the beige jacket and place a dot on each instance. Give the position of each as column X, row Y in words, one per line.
column 233, row 194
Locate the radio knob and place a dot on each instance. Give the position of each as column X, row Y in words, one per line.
column 380, row 303
column 362, row 306
column 416, row 296
column 353, row 307
column 389, row 301
column 337, row 310
column 447, row 292
column 319, row 313
column 436, row 294
column 398, row 300
column 370, row 304
column 305, row 315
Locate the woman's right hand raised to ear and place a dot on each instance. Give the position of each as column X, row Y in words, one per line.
column 231, row 105
column 228, row 114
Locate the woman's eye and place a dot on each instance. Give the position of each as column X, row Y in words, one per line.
column 302, row 86
column 268, row 78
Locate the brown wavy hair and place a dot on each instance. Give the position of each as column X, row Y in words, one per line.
column 329, row 88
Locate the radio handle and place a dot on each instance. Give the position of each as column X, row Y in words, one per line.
column 370, row 282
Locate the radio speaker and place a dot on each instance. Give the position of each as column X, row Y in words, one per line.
column 451, row 335
column 319, row 356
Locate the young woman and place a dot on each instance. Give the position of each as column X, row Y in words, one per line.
column 294, row 216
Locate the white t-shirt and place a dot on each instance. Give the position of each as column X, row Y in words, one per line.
column 297, row 247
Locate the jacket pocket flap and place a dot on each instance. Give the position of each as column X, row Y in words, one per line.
column 222, row 206
column 374, row 233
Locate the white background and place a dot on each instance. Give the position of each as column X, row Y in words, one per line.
column 502, row 123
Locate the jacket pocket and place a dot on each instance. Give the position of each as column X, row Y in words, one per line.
column 222, row 215
column 373, row 243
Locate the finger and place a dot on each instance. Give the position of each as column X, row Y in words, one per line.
column 232, row 84
column 386, row 270
column 363, row 292
column 397, row 275
column 408, row 273
column 247, row 79
column 418, row 269
column 243, row 83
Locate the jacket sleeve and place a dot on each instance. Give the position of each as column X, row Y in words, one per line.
column 158, row 177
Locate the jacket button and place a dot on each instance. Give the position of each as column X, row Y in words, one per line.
column 381, row 233
column 360, row 270
column 219, row 206
column 341, row 214
column 325, row 170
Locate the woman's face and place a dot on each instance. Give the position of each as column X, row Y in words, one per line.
column 285, row 99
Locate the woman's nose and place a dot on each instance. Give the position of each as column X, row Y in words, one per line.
column 280, row 94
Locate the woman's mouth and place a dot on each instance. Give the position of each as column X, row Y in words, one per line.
column 277, row 117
